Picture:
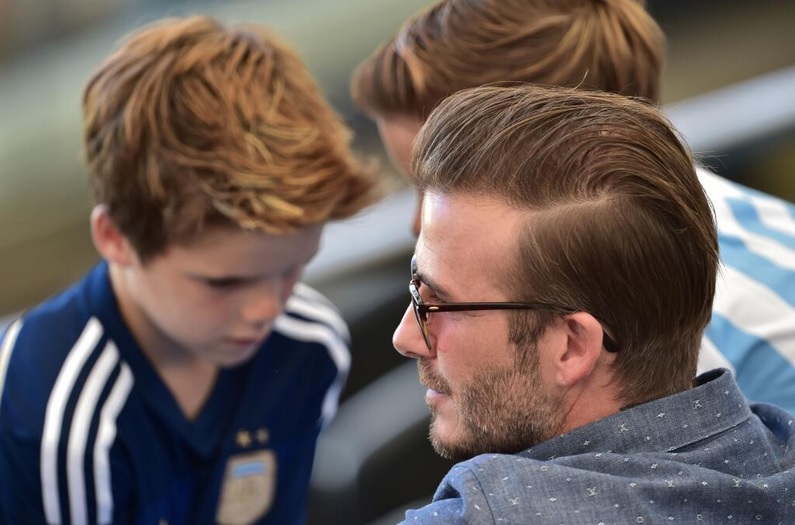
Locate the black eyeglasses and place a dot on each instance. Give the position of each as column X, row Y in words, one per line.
column 422, row 310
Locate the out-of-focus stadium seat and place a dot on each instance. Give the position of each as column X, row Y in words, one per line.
column 375, row 458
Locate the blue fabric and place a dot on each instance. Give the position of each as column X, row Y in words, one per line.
column 701, row 456
column 753, row 324
column 257, row 430
column 761, row 372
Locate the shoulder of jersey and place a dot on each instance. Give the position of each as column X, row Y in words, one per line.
column 308, row 306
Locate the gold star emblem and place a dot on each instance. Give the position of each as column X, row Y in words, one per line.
column 262, row 435
column 243, row 439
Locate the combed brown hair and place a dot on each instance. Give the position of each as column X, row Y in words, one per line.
column 191, row 124
column 618, row 224
column 608, row 45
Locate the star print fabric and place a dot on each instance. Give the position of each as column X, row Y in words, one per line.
column 699, row 457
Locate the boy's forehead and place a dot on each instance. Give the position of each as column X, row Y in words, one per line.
column 247, row 250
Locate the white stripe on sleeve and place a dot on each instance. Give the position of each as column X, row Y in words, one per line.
column 768, row 316
column 337, row 349
column 106, row 434
column 774, row 214
column 5, row 352
column 766, row 247
column 310, row 293
column 309, row 307
column 53, row 419
column 78, row 433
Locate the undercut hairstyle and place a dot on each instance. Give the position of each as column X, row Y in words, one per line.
column 191, row 125
column 617, row 222
column 607, row 45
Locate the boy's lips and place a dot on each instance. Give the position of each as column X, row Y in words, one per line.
column 248, row 340
column 244, row 341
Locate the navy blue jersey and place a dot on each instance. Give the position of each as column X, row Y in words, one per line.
column 90, row 434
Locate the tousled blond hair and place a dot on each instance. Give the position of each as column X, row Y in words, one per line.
column 191, row 124
column 608, row 45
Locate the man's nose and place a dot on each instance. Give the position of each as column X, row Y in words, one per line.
column 408, row 338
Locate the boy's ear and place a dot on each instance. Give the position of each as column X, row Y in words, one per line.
column 109, row 241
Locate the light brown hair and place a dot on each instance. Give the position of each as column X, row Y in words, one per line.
column 191, row 124
column 618, row 224
column 608, row 45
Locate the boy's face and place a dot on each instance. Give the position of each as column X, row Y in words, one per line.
column 398, row 134
column 215, row 299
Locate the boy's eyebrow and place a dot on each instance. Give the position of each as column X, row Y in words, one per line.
column 248, row 278
column 229, row 279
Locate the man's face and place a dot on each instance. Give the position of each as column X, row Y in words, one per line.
column 215, row 300
column 397, row 134
column 482, row 397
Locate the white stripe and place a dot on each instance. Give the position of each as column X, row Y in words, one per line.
column 5, row 352
column 766, row 247
column 78, row 434
column 106, row 434
column 709, row 357
column 750, row 305
column 314, row 332
column 337, row 349
column 775, row 214
column 718, row 187
column 308, row 292
column 53, row 419
column 309, row 307
column 756, row 309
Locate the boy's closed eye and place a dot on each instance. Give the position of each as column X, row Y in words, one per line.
column 223, row 283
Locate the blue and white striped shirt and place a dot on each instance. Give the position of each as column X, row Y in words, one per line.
column 752, row 331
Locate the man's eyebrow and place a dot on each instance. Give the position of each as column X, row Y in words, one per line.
column 438, row 289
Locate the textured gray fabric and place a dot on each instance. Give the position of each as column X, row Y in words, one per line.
column 701, row 456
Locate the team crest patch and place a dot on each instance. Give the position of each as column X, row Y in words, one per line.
column 248, row 487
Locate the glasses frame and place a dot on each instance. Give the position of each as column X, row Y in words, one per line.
column 422, row 309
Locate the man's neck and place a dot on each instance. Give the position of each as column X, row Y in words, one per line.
column 594, row 399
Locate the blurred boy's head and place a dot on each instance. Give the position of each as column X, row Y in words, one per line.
column 607, row 45
column 191, row 125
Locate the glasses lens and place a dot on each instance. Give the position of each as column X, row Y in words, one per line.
column 416, row 302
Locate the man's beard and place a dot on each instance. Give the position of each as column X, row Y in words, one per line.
column 502, row 410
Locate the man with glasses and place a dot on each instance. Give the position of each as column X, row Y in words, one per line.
column 563, row 278
column 611, row 46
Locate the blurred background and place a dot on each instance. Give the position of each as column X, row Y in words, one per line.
column 49, row 47
column 729, row 86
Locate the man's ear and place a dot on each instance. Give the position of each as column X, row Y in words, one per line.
column 578, row 357
column 109, row 241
